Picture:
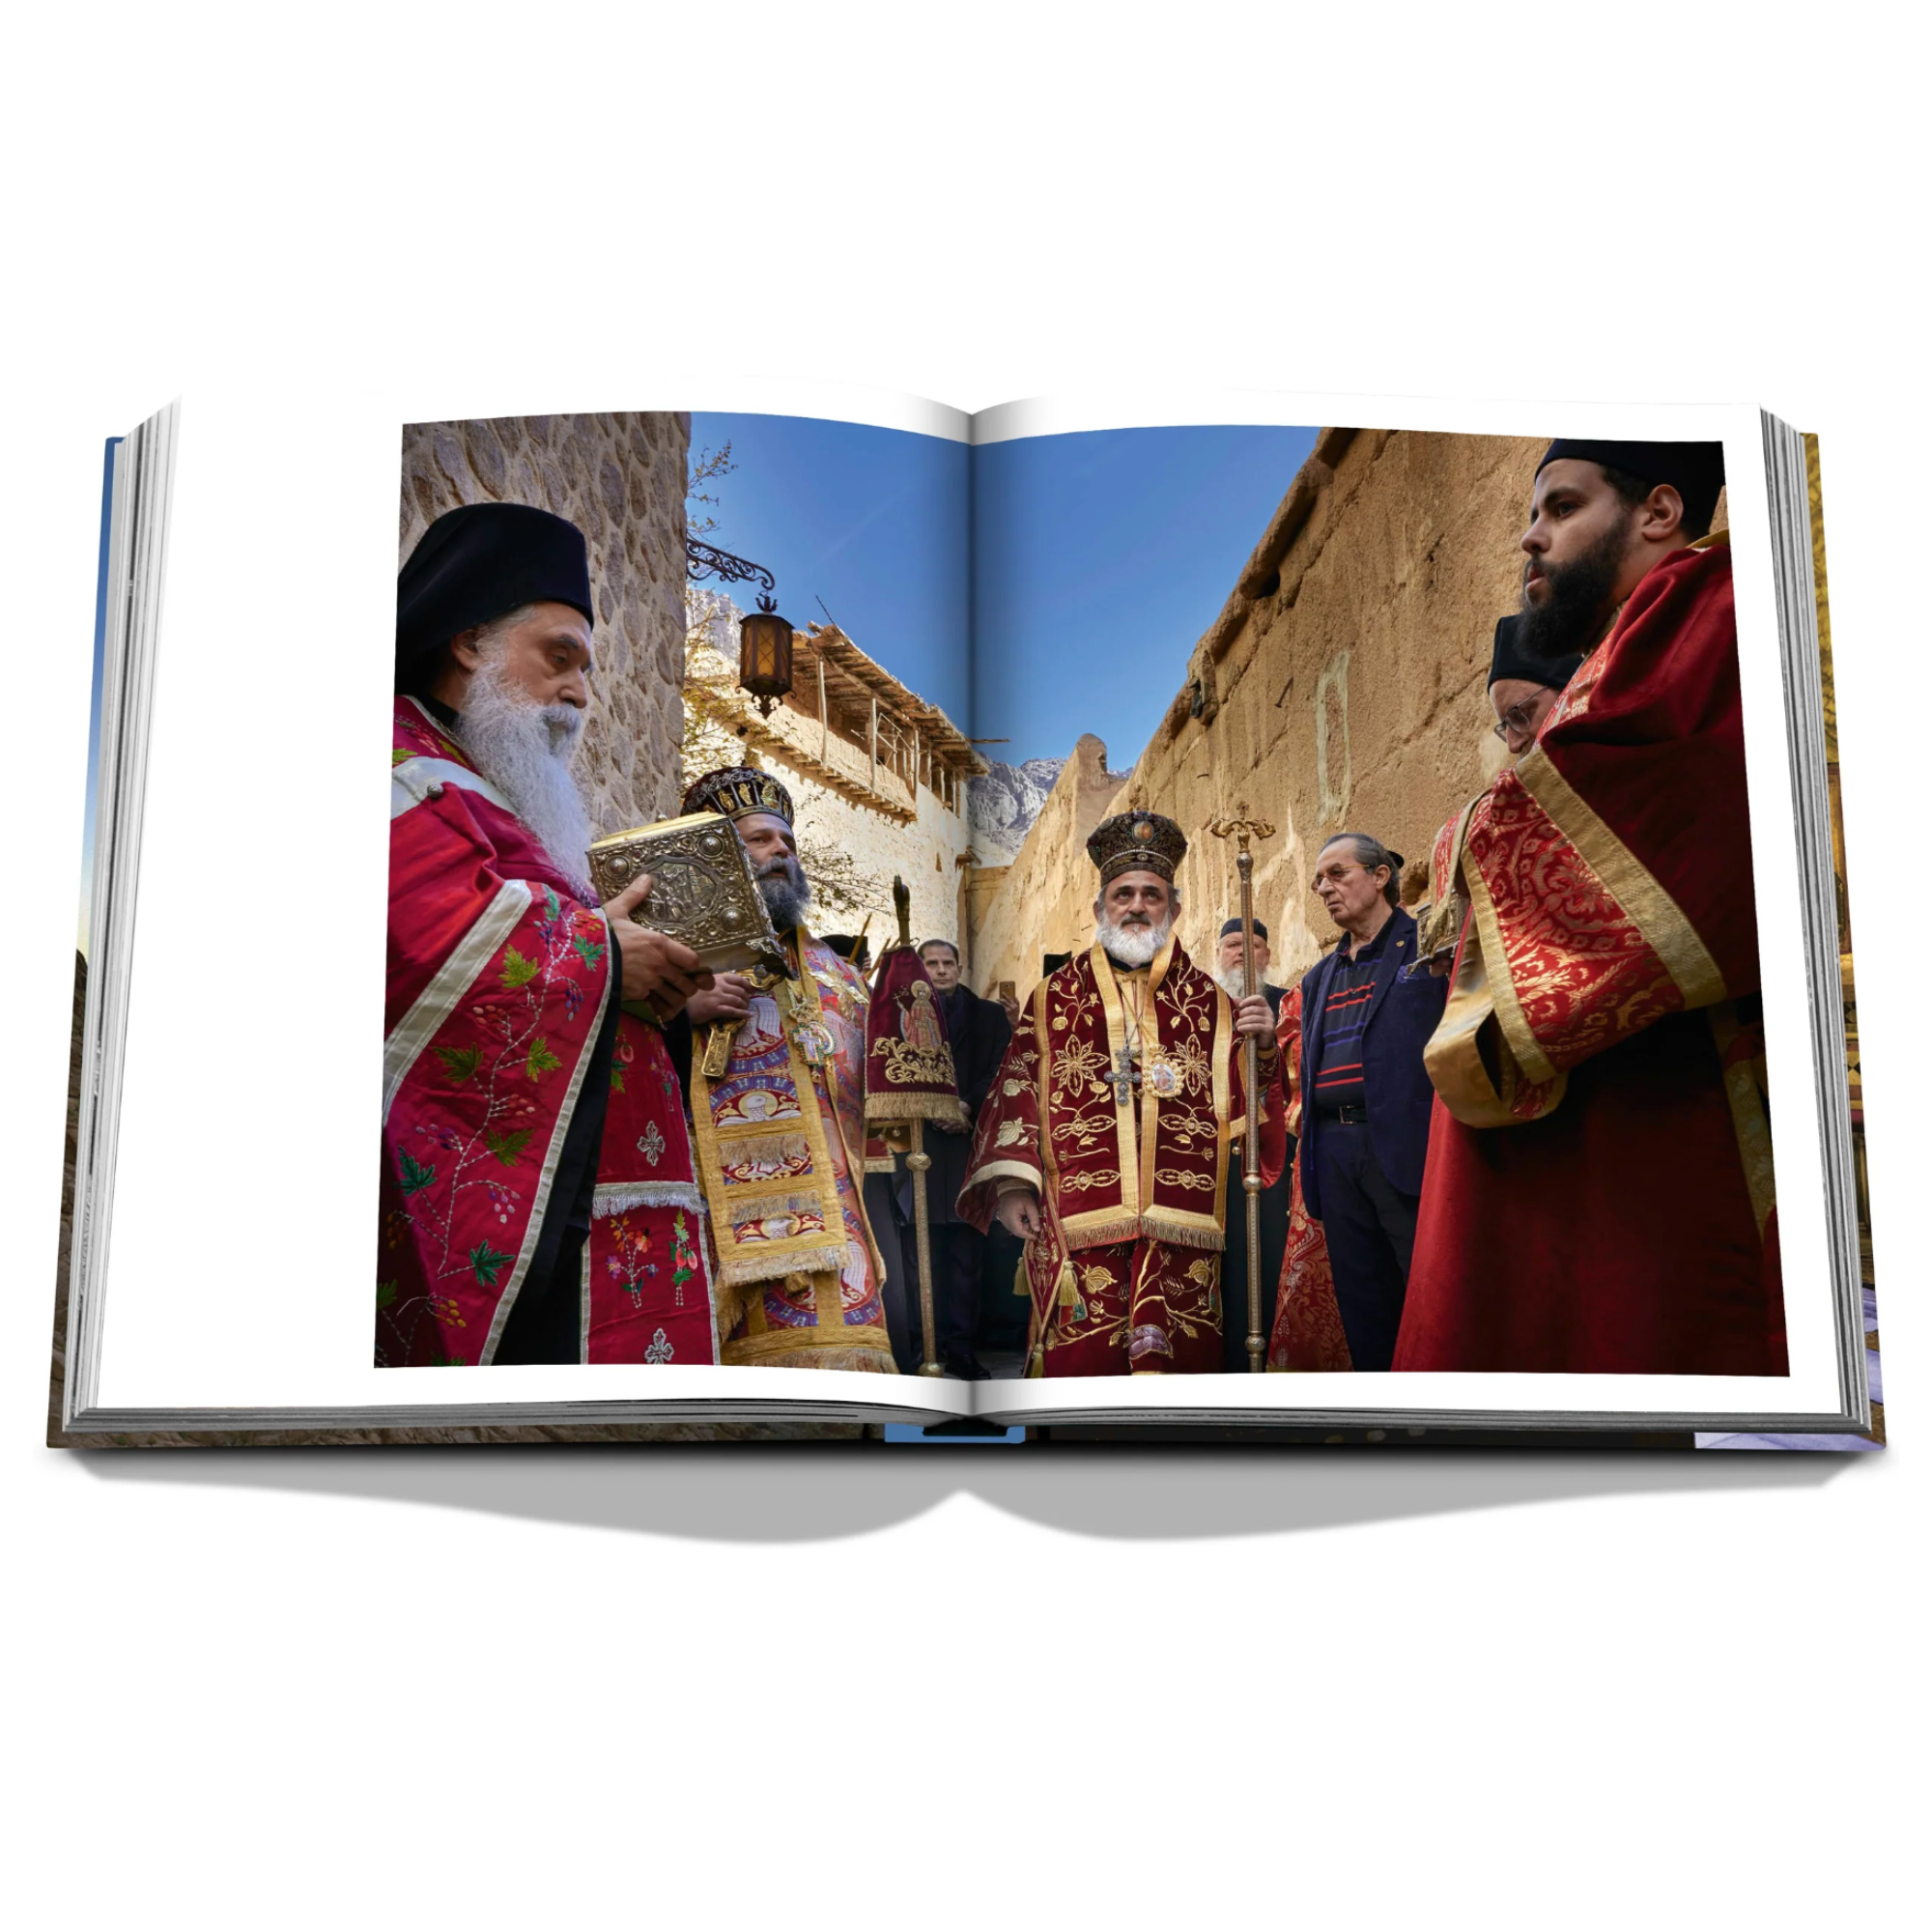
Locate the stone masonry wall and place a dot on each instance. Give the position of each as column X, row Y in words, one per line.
column 621, row 480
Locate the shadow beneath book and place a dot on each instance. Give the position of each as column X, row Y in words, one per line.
column 812, row 1492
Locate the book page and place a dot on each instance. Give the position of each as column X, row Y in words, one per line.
column 1331, row 666
column 538, row 1233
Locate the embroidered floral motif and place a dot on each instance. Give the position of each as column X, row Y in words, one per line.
column 630, row 1266
column 683, row 1258
column 482, row 1105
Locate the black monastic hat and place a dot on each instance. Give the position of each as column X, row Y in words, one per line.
column 477, row 562
column 1234, row 925
column 1508, row 660
column 1696, row 470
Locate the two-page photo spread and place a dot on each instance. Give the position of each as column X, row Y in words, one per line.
column 1272, row 911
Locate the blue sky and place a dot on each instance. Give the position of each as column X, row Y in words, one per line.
column 1101, row 558
column 869, row 520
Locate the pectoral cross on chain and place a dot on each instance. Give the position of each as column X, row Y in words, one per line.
column 1123, row 1079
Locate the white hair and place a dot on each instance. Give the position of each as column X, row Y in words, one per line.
column 526, row 749
column 1132, row 945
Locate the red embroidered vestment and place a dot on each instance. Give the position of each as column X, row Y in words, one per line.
column 1599, row 1192
column 498, row 980
column 1117, row 1102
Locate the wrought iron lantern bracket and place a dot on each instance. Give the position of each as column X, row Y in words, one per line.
column 704, row 559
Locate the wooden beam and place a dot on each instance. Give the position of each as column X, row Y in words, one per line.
column 824, row 729
column 875, row 741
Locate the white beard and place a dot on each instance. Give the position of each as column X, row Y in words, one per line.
column 1132, row 945
column 526, row 751
column 1229, row 979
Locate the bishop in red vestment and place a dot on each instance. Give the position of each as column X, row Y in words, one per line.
column 1103, row 1144
column 1599, row 1196
column 538, row 1201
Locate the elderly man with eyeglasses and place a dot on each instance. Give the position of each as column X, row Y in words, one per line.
column 1367, row 1013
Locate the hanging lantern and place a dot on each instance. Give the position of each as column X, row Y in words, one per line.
column 764, row 655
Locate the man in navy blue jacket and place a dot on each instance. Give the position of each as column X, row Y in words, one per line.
column 1367, row 1011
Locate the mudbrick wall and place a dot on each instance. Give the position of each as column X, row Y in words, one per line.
column 1344, row 687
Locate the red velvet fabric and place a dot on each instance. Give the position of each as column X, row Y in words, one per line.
column 1617, row 1235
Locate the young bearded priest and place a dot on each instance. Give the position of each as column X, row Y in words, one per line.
column 1103, row 1144
column 1599, row 1196
column 538, row 1201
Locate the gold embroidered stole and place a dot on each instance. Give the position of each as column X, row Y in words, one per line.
column 770, row 1187
column 1168, row 1173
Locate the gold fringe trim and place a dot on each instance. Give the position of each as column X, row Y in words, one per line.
column 1194, row 1230
column 1096, row 1229
column 747, row 1269
column 916, row 1107
column 729, row 1307
column 868, row 1358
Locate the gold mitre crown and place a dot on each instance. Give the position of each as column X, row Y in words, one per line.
column 1137, row 841
column 739, row 790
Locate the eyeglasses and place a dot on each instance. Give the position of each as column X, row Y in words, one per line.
column 1518, row 717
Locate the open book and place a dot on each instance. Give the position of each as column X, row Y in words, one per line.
column 1281, row 911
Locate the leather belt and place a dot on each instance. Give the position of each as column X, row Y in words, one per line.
column 1352, row 1114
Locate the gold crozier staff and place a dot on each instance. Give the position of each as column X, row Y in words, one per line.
column 1241, row 827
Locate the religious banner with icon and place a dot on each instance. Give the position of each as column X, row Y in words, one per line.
column 909, row 1071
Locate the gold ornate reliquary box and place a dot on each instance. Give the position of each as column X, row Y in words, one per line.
column 702, row 890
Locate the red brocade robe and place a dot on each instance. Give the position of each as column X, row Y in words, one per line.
column 1125, row 1274
column 1598, row 1195
column 500, row 977
column 1307, row 1333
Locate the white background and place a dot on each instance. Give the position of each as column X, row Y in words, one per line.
column 961, row 1686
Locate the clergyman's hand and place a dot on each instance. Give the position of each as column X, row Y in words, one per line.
column 658, row 970
column 1019, row 1213
column 729, row 998
column 1254, row 1015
